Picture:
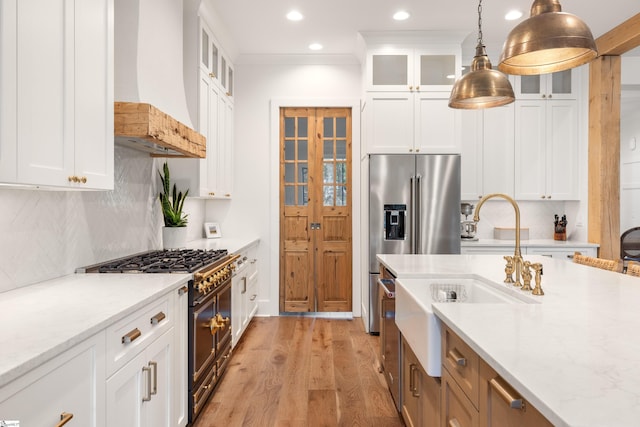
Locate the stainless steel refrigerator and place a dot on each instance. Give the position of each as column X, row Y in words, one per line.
column 414, row 208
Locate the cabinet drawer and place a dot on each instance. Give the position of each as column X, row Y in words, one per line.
column 457, row 410
column 69, row 384
column 462, row 363
column 132, row 334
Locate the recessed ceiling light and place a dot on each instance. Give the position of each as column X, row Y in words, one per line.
column 315, row 46
column 401, row 15
column 294, row 15
column 513, row 15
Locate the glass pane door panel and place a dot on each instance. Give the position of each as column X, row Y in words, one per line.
column 303, row 173
column 561, row 82
column 341, row 149
column 327, row 173
column 327, row 152
column 214, row 59
column 205, row 49
column 328, row 127
column 289, row 149
column 437, row 69
column 303, row 150
column 530, row 84
column 341, row 172
column 223, row 72
column 289, row 173
column 341, row 127
column 289, row 195
column 341, row 196
column 328, row 195
column 303, row 195
column 289, row 127
column 390, row 69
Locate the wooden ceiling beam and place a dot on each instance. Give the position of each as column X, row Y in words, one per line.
column 620, row 39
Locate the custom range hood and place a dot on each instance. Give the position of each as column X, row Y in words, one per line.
column 150, row 112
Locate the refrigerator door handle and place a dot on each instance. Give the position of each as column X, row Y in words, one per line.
column 416, row 214
column 412, row 215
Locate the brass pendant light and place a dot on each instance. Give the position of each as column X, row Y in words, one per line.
column 549, row 41
column 482, row 87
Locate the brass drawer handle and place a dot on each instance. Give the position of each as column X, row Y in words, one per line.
column 147, row 398
column 131, row 336
column 457, row 357
column 158, row 318
column 505, row 394
column 65, row 417
column 454, row 423
column 183, row 290
column 154, row 389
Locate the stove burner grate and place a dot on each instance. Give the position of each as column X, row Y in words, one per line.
column 164, row 261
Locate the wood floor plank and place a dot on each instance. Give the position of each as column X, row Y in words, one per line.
column 302, row 371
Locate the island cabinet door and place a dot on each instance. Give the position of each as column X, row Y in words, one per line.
column 501, row 405
column 456, row 410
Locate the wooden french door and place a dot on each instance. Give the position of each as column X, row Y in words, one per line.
column 315, row 209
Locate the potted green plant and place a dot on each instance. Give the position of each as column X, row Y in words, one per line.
column 174, row 232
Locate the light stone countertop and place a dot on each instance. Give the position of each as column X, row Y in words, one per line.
column 233, row 245
column 575, row 356
column 43, row 320
column 528, row 243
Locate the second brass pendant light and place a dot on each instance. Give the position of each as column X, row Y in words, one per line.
column 482, row 86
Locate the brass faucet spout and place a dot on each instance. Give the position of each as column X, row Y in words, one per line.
column 517, row 254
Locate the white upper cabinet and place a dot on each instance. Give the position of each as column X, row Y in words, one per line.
column 487, row 152
column 414, row 70
column 406, row 108
column 57, row 121
column 560, row 85
column 211, row 177
column 546, row 150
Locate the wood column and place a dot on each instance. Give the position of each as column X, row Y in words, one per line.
column 604, row 155
column 604, row 135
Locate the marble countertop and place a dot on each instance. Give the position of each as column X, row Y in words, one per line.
column 233, row 245
column 528, row 243
column 43, row 320
column 571, row 355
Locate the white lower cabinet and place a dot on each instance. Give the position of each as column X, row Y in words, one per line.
column 139, row 393
column 244, row 293
column 70, row 385
column 565, row 253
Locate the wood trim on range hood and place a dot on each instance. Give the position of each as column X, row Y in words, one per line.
column 144, row 127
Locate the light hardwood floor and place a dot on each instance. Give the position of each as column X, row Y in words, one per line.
column 302, row 371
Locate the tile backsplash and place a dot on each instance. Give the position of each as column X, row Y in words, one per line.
column 47, row 234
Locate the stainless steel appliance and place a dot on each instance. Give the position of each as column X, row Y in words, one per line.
column 414, row 205
column 467, row 228
column 390, row 339
column 209, row 333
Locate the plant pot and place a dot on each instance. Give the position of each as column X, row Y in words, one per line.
column 174, row 237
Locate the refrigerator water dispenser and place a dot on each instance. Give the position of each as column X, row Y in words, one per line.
column 394, row 222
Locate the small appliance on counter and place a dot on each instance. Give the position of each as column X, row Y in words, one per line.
column 468, row 228
column 560, row 228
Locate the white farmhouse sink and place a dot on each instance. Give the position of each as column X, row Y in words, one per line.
column 420, row 326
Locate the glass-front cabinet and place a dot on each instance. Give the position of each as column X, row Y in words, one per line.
column 559, row 85
column 413, row 70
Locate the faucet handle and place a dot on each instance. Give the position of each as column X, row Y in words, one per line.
column 526, row 276
column 537, row 267
column 508, row 269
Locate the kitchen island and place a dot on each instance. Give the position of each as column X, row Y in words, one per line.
column 568, row 355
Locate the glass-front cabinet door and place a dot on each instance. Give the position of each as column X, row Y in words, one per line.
column 436, row 72
column 209, row 53
column 559, row 85
column 390, row 71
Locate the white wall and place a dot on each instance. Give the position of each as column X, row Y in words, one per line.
column 253, row 211
column 47, row 234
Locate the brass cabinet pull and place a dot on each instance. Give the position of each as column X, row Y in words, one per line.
column 131, row 336
column 148, row 370
column 244, row 285
column 154, row 389
column 77, row 179
column 501, row 389
column 454, row 423
column 183, row 290
column 457, row 357
column 158, row 318
column 411, row 368
column 414, row 391
column 65, row 417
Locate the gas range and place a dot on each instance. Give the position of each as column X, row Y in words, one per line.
column 162, row 261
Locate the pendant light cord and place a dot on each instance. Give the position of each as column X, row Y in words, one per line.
column 480, row 22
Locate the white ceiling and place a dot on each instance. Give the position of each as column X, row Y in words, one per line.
column 259, row 27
